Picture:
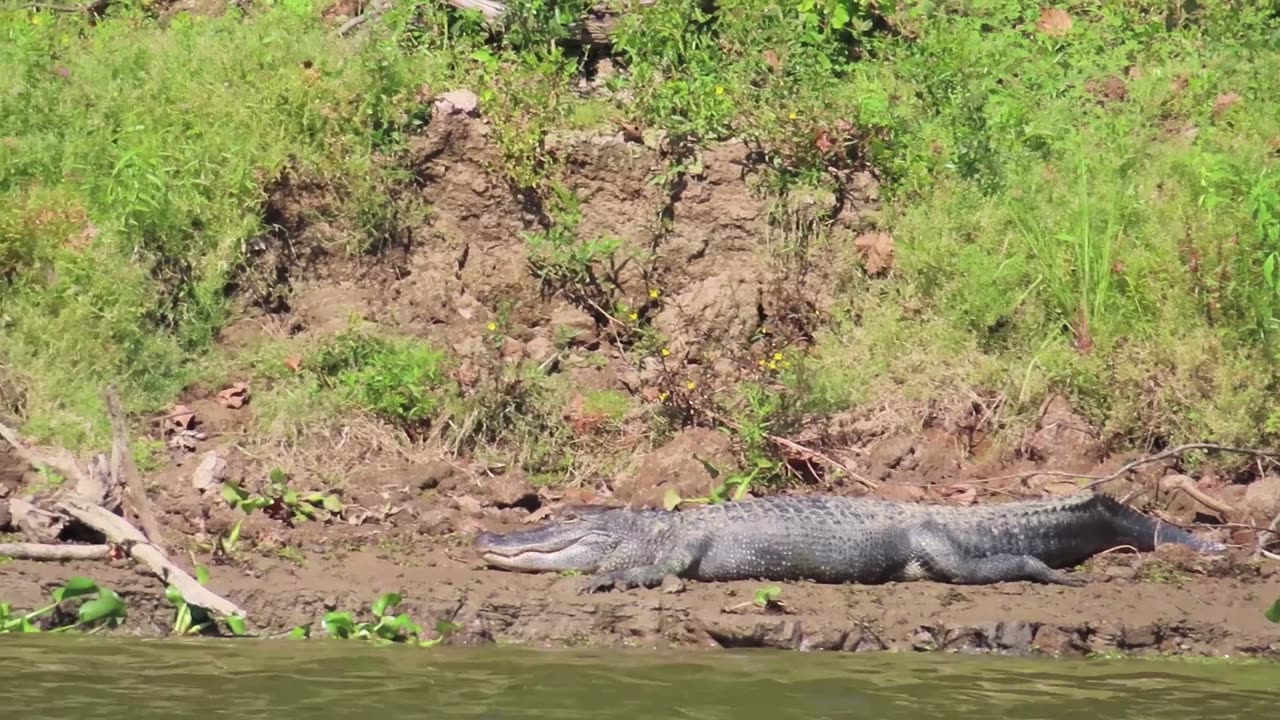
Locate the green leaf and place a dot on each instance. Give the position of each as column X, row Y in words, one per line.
column 388, row 600
column 278, row 476
column 339, row 624
column 233, row 537
column 300, row 632
column 75, row 587
column 333, row 504
column 1273, row 612
column 107, row 605
column 257, row 502
column 174, row 595
column 202, row 573
column 671, row 499
column 1269, row 270
column 233, row 495
column 235, row 624
column 840, row 17
column 766, row 595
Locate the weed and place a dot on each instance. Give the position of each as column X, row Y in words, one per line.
column 193, row 620
column 384, row 628
column 282, row 502
column 102, row 608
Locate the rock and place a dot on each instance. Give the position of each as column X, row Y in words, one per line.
column 574, row 327
column 6, row 518
column 1262, row 497
column 1050, row 639
column 1013, row 635
column 677, row 465
column 208, row 474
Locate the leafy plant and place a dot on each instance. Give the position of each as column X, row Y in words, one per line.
column 281, row 502
column 191, row 619
column 384, row 628
column 103, row 608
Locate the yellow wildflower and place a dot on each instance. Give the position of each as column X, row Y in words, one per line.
column 665, row 352
column 777, row 356
column 719, row 90
column 691, row 385
column 654, row 293
column 492, row 326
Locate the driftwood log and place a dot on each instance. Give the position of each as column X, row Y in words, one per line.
column 91, row 498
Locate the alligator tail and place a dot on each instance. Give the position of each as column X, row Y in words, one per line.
column 1145, row 533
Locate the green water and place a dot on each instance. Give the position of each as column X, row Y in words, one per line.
column 66, row 678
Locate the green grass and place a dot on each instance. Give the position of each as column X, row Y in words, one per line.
column 1047, row 239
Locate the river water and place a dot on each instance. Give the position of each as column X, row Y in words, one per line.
column 78, row 678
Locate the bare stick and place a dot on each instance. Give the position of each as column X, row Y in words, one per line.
column 118, row 531
column 123, row 466
column 55, row 458
column 1188, row 486
column 41, row 551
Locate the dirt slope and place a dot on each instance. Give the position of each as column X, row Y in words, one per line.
column 724, row 258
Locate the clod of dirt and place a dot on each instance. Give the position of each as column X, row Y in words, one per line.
column 718, row 310
column 181, row 417
column 574, row 327
column 434, row 474
column 510, row 489
column 678, row 465
column 1054, row 22
column 1063, row 440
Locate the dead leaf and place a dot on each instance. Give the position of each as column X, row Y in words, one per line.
column 235, row 396
column 876, row 250
column 1112, row 88
column 1054, row 22
column 1224, row 102
column 294, row 363
column 181, row 417
column 1178, row 84
column 771, row 57
column 538, row 515
column 631, row 133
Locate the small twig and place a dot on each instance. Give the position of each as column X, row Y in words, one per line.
column 41, row 551
column 123, row 466
column 1188, row 486
column 118, row 531
column 868, row 484
column 1178, row 451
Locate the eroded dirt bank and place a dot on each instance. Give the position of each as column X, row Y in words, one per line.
column 741, row 277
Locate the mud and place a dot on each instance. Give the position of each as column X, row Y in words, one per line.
column 741, row 273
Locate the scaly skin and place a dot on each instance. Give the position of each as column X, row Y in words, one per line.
column 833, row 540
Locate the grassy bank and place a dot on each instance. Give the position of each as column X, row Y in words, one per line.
column 1084, row 201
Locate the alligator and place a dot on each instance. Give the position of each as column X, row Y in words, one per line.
column 830, row 539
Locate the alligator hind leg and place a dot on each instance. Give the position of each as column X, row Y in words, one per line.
column 944, row 561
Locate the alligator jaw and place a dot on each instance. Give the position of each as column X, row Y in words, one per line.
column 556, row 547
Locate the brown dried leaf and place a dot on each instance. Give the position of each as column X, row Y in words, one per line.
column 960, row 494
column 876, row 250
column 1054, row 22
column 181, row 417
column 771, row 57
column 294, row 363
column 235, row 396
column 1178, row 84
column 1224, row 102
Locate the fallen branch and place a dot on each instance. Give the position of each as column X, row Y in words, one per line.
column 118, row 531
column 1188, row 486
column 44, row 552
column 125, row 471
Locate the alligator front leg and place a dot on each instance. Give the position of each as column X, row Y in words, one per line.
column 674, row 562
